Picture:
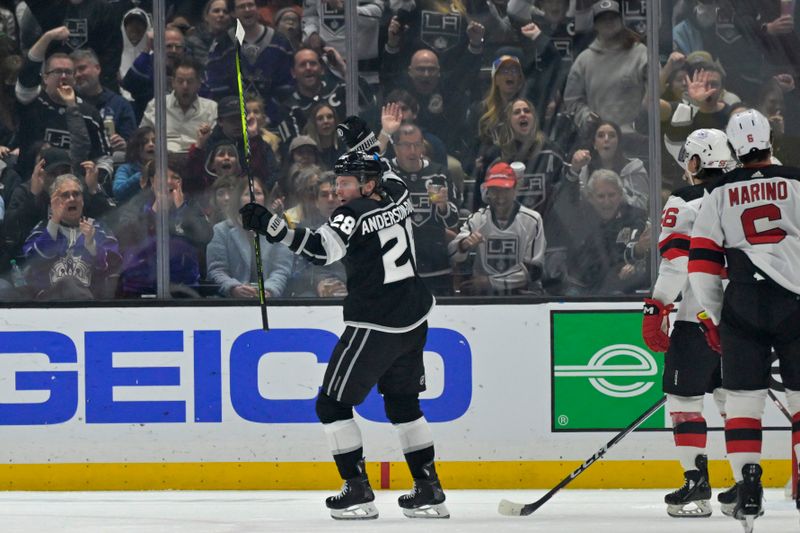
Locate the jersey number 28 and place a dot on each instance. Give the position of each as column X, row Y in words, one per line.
column 392, row 271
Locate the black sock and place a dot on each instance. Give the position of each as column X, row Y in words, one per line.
column 417, row 460
column 347, row 463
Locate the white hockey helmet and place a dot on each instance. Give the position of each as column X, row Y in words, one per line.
column 711, row 147
column 749, row 131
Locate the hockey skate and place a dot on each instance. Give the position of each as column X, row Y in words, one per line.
column 691, row 500
column 727, row 500
column 748, row 497
column 355, row 501
column 426, row 499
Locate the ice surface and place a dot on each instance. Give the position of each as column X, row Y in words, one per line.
column 574, row 511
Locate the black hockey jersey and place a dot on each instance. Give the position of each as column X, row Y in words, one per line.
column 429, row 223
column 375, row 241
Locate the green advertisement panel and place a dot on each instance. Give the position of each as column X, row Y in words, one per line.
column 603, row 374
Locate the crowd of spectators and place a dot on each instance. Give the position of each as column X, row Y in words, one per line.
column 520, row 127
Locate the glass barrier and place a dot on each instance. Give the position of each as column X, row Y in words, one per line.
column 523, row 130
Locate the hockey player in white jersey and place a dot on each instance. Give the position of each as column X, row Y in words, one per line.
column 751, row 219
column 691, row 368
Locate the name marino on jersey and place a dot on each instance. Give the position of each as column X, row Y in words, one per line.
column 760, row 191
column 387, row 218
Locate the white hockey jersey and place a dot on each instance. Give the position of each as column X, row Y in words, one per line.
column 677, row 220
column 752, row 214
column 506, row 254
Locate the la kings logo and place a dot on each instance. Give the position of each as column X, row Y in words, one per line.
column 78, row 32
column 332, row 19
column 422, row 207
column 58, row 138
column 501, row 253
column 440, row 31
column 531, row 190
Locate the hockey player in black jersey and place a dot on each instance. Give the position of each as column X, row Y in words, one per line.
column 749, row 224
column 691, row 368
column 385, row 311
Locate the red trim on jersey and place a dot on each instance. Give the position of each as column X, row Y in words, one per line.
column 708, row 267
column 675, row 245
column 708, row 244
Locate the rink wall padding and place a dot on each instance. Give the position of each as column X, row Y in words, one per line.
column 386, row 475
column 518, row 395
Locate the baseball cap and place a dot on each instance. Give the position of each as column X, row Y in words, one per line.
column 302, row 140
column 228, row 106
column 502, row 60
column 605, row 6
column 55, row 158
column 501, row 175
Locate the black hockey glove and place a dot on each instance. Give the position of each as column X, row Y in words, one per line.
column 256, row 217
column 356, row 135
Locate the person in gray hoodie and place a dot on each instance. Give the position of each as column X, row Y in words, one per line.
column 608, row 80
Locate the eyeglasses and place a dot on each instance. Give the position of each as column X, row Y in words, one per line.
column 66, row 195
column 68, row 72
column 174, row 46
column 508, row 70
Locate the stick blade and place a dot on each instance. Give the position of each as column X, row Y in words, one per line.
column 509, row 508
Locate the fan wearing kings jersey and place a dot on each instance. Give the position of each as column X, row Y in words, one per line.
column 691, row 367
column 385, row 311
column 751, row 218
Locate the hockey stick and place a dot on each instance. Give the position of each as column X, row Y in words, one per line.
column 256, row 240
column 518, row 509
column 782, row 408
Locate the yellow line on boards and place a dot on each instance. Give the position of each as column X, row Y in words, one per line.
column 323, row 476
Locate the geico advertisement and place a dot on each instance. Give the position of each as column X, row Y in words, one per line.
column 196, row 383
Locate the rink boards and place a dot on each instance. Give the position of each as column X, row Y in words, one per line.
column 201, row 398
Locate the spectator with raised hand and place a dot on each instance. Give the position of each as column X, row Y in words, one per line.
column 91, row 24
column 139, row 81
column 433, row 198
column 228, row 130
column 443, row 26
column 608, row 80
column 606, row 152
column 704, row 108
column 230, row 253
column 140, row 151
column 265, row 59
column 70, row 256
column 50, row 111
column 439, row 106
column 186, row 109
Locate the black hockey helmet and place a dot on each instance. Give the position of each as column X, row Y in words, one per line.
column 357, row 136
column 360, row 164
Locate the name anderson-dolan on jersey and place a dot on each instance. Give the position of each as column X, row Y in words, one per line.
column 374, row 240
column 677, row 219
column 755, row 211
